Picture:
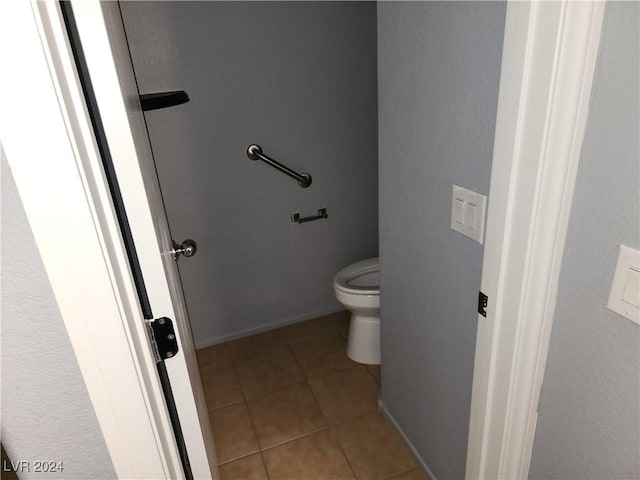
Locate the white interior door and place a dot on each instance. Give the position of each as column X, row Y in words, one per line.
column 103, row 42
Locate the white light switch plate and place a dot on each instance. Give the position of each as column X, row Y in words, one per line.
column 468, row 210
column 624, row 296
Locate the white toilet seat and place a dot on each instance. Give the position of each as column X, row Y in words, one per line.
column 360, row 278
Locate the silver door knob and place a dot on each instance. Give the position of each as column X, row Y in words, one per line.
column 187, row 248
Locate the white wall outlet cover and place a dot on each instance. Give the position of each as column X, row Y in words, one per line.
column 468, row 211
column 624, row 297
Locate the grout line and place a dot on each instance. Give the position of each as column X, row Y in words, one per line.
column 308, row 379
column 328, row 426
column 401, row 473
column 271, row 392
column 239, row 457
column 220, row 366
column 293, row 439
column 339, row 424
column 235, row 369
column 287, row 346
column 246, row 402
column 375, row 379
column 264, row 464
column 304, row 374
column 336, row 372
column 255, row 431
column 335, row 435
column 211, row 410
column 325, row 375
column 332, row 429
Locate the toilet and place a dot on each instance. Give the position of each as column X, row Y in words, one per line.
column 357, row 287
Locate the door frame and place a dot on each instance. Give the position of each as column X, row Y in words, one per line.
column 48, row 140
column 548, row 67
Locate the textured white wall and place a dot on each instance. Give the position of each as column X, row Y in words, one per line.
column 46, row 411
column 589, row 412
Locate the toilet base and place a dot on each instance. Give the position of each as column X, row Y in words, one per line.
column 364, row 339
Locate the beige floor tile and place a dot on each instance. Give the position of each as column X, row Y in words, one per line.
column 314, row 457
column 346, row 395
column 343, row 325
column 299, row 332
column 221, row 386
column 285, row 415
column 415, row 474
column 214, row 356
column 254, row 346
column 268, row 374
column 373, row 448
column 233, row 432
column 322, row 355
column 247, row 468
column 374, row 370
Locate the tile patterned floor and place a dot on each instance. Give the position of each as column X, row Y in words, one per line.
column 288, row 404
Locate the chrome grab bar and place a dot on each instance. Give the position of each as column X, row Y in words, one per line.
column 254, row 152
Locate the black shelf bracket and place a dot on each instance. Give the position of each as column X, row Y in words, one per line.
column 154, row 101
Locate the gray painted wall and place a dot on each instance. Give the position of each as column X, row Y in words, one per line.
column 439, row 68
column 589, row 419
column 298, row 78
column 46, row 411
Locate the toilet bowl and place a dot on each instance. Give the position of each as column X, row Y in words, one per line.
column 357, row 287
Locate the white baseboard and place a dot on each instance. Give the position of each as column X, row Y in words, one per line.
column 207, row 342
column 383, row 410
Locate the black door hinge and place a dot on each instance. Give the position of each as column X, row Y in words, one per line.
column 163, row 338
column 482, row 304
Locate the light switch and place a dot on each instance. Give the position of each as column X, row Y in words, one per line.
column 468, row 212
column 624, row 297
column 458, row 209
column 470, row 216
column 631, row 294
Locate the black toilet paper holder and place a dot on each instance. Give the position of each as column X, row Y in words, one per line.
column 296, row 218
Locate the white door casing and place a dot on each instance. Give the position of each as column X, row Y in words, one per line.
column 110, row 69
column 549, row 57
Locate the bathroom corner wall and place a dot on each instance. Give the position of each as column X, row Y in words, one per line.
column 297, row 78
column 439, row 69
column 589, row 410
